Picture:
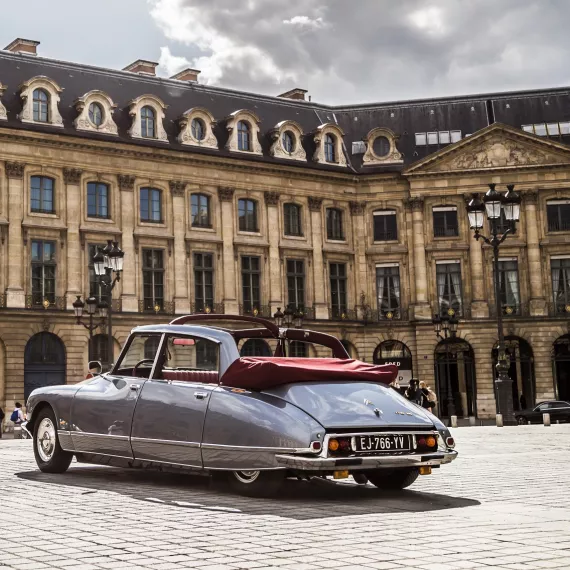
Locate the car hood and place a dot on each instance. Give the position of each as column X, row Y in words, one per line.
column 337, row 405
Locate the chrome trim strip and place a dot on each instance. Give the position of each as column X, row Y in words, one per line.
column 165, row 441
column 87, row 433
column 254, row 448
column 199, row 467
column 99, row 454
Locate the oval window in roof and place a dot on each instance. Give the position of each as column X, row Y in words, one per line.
column 96, row 114
column 198, row 129
column 381, row 146
column 288, row 141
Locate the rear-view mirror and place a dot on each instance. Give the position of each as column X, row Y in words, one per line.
column 95, row 367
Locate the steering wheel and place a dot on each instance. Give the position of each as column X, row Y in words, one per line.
column 135, row 367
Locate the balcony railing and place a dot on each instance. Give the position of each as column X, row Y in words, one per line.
column 307, row 312
column 439, row 231
column 342, row 314
column 263, row 311
column 560, row 309
column 37, row 301
column 158, row 308
column 385, row 236
column 396, row 314
column 461, row 311
column 558, row 225
column 510, row 310
column 207, row 308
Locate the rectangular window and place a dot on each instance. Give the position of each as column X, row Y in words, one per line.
column 95, row 289
column 445, row 222
column 509, row 286
column 444, row 137
column 43, row 272
column 455, row 136
column 334, row 224
column 385, row 225
column 432, row 138
column 388, row 289
column 153, row 279
column 250, row 278
column 247, row 212
column 338, row 289
column 296, row 284
column 558, row 214
column 42, row 194
column 560, row 284
column 421, row 139
column 200, row 211
column 151, row 205
column 503, row 224
column 97, row 200
column 448, row 277
column 553, row 130
column 528, row 128
column 565, row 128
column 292, row 218
column 203, row 281
column 540, row 129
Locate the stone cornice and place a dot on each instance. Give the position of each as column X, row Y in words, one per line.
column 225, row 194
column 15, row 169
column 72, row 175
column 126, row 182
column 177, row 188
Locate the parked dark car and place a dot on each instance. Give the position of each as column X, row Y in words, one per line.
column 558, row 410
column 181, row 397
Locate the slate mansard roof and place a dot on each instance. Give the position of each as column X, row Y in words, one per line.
column 467, row 114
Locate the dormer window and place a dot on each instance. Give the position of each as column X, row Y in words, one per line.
column 288, row 141
column 96, row 114
column 244, row 136
column 41, row 106
column 330, row 151
column 287, row 136
column 198, row 129
column 148, row 123
column 381, row 148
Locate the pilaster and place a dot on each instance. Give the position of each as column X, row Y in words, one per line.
column 357, row 210
column 72, row 179
column 421, row 308
column 479, row 305
column 320, row 300
column 226, row 197
column 128, row 277
column 181, row 297
column 538, row 306
column 275, row 293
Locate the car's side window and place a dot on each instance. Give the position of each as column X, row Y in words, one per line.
column 190, row 359
column 542, row 407
column 140, row 355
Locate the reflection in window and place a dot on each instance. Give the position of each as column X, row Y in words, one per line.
column 41, row 106
column 247, row 214
column 43, row 272
column 250, row 276
column 203, row 281
column 334, row 224
column 509, row 286
column 388, row 288
column 244, row 136
column 292, row 217
column 42, row 194
column 200, row 211
column 338, row 289
column 153, row 279
column 448, row 276
column 148, row 122
column 97, row 200
column 151, row 205
column 330, row 148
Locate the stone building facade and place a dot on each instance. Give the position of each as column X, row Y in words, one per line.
column 232, row 202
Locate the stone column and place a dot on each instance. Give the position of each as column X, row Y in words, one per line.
column 15, row 297
column 275, row 292
column 181, row 298
column 538, row 306
column 422, row 310
column 128, row 278
column 226, row 197
column 320, row 300
column 361, row 281
column 72, row 179
column 479, row 305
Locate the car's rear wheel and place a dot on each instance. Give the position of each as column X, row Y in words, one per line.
column 256, row 483
column 521, row 421
column 393, row 478
column 50, row 457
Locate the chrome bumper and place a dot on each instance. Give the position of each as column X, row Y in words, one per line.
column 367, row 462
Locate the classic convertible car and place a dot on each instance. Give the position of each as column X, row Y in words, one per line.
column 181, row 397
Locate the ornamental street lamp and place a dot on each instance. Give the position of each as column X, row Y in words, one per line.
column 510, row 204
column 108, row 265
column 445, row 327
column 92, row 307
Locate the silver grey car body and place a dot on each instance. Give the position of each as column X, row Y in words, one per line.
column 137, row 421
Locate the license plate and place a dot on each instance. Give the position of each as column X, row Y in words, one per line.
column 365, row 443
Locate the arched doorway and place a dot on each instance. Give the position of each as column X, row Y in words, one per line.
column 521, row 371
column 255, row 347
column 561, row 362
column 44, row 362
column 395, row 352
column 455, row 379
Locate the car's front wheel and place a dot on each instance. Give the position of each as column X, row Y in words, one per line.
column 256, row 483
column 50, row 457
column 393, row 478
column 521, row 421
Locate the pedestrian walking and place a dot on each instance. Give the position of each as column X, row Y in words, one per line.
column 17, row 416
column 1, row 422
column 414, row 394
column 430, row 399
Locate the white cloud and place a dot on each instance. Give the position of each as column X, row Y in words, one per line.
column 306, row 22
column 429, row 20
column 172, row 64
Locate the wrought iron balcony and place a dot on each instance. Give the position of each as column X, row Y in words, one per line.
column 461, row 311
column 558, row 225
column 440, row 231
column 158, row 307
column 307, row 312
column 255, row 311
column 397, row 314
column 48, row 303
column 207, row 308
column 342, row 314
column 512, row 310
column 560, row 309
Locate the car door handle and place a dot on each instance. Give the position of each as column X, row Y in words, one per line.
column 134, row 387
column 200, row 395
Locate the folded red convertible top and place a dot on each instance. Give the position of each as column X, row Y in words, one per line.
column 258, row 373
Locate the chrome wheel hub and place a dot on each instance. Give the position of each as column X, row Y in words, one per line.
column 246, row 476
column 45, row 439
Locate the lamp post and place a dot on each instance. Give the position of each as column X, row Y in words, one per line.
column 108, row 265
column 445, row 327
column 510, row 203
column 92, row 307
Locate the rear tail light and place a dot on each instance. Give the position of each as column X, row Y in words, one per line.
column 426, row 443
column 316, row 446
column 450, row 442
column 340, row 445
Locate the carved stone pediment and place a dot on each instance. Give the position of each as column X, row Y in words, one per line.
column 495, row 147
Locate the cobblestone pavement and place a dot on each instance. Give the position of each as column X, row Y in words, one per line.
column 504, row 503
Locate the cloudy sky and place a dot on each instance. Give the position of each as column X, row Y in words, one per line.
column 341, row 51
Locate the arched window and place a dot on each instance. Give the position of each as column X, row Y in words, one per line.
column 395, row 352
column 298, row 349
column 41, row 106
column 198, row 129
column 292, row 215
column 330, row 148
column 148, row 122
column 200, row 206
column 96, row 114
column 288, row 141
column 244, row 136
column 255, row 347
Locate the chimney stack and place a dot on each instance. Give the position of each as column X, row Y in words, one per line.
column 187, row 74
column 298, row 94
column 143, row 67
column 22, row 46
